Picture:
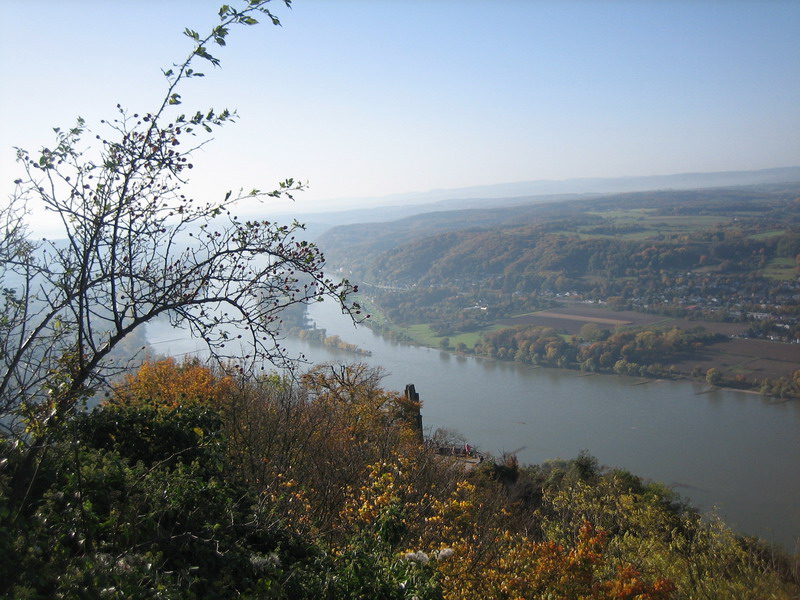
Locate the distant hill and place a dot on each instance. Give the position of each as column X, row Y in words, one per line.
column 398, row 206
column 358, row 247
column 680, row 181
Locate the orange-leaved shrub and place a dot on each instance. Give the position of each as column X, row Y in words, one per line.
column 166, row 384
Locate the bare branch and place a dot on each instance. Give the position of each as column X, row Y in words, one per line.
column 134, row 247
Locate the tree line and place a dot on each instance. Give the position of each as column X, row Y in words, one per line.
column 646, row 352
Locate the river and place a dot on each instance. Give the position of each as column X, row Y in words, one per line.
column 736, row 452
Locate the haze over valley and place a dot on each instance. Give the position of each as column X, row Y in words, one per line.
column 408, row 300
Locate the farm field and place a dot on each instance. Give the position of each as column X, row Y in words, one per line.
column 715, row 250
column 781, row 269
column 570, row 319
column 754, row 359
column 751, row 359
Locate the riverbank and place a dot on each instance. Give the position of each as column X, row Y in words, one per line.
column 771, row 369
column 732, row 452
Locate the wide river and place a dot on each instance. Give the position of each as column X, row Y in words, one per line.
column 733, row 451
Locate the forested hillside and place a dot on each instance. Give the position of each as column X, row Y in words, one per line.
column 190, row 483
column 710, row 256
column 493, row 240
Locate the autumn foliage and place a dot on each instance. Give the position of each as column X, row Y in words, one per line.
column 166, row 384
column 193, row 483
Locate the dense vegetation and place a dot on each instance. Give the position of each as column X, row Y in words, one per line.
column 192, row 482
column 651, row 249
column 725, row 230
column 671, row 259
column 645, row 352
column 188, row 483
column 453, row 279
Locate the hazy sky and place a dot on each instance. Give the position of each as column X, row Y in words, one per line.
column 374, row 97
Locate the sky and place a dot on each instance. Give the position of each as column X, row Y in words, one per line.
column 367, row 98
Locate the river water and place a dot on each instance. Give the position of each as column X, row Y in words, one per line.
column 734, row 452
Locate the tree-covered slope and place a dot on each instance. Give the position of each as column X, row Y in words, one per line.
column 189, row 483
column 494, row 239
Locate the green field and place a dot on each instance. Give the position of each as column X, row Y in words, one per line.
column 765, row 235
column 783, row 269
column 634, row 235
column 651, row 225
column 375, row 314
column 422, row 334
column 634, row 214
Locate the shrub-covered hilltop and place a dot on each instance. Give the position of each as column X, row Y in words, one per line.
column 187, row 483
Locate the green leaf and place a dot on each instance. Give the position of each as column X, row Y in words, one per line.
column 203, row 53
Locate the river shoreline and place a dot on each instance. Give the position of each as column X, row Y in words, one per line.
column 645, row 379
column 713, row 361
column 736, row 453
